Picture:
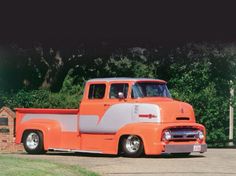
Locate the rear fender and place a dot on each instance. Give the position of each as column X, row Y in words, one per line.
column 51, row 130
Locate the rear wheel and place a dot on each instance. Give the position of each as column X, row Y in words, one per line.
column 33, row 142
column 132, row 146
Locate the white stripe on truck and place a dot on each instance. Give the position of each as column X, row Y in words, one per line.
column 68, row 122
column 118, row 116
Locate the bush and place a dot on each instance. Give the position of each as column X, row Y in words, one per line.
column 68, row 97
column 193, row 83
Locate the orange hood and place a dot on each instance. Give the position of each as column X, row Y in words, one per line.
column 173, row 111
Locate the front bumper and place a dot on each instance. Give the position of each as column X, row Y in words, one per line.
column 186, row 148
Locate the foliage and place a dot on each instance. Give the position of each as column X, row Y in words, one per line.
column 198, row 73
column 193, row 85
column 127, row 67
column 68, row 97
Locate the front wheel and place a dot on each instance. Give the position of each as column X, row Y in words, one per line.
column 33, row 142
column 132, row 146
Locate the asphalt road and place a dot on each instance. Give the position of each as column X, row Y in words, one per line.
column 213, row 162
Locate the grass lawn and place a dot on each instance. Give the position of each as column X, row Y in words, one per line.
column 12, row 166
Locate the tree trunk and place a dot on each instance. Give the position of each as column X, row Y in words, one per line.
column 53, row 71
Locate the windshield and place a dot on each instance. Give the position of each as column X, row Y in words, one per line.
column 150, row 89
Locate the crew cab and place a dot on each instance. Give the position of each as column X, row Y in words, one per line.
column 129, row 116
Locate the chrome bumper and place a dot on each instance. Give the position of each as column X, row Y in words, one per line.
column 187, row 148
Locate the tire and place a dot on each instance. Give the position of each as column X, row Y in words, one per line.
column 33, row 142
column 180, row 155
column 132, row 146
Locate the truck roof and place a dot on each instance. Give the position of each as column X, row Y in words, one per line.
column 125, row 79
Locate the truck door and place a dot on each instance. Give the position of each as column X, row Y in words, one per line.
column 96, row 112
column 117, row 112
column 117, row 90
column 92, row 107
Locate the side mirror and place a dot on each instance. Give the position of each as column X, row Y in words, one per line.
column 121, row 95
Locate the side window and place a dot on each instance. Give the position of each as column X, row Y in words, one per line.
column 116, row 88
column 97, row 91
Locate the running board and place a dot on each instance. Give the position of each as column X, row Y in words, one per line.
column 69, row 150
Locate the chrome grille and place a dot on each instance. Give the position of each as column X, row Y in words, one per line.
column 183, row 134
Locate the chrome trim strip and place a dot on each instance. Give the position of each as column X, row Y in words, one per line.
column 69, row 150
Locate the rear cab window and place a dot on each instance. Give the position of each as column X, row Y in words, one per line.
column 96, row 91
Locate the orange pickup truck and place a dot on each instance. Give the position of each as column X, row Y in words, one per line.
column 129, row 116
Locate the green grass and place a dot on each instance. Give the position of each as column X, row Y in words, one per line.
column 13, row 166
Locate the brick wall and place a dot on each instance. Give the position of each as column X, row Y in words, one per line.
column 7, row 130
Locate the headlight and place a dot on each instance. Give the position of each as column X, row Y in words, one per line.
column 167, row 135
column 200, row 134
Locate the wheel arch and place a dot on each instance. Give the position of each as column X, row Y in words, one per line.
column 124, row 136
column 28, row 130
column 148, row 132
column 33, row 142
column 130, row 129
column 50, row 130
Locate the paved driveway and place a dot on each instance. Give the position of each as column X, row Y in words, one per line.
column 214, row 162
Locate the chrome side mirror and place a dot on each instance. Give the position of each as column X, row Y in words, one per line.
column 121, row 95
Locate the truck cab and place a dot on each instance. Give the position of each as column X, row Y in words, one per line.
column 132, row 116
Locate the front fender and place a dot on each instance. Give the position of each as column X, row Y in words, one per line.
column 148, row 132
column 51, row 130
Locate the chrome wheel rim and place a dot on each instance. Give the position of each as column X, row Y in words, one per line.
column 32, row 141
column 132, row 144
